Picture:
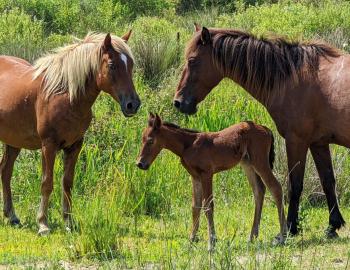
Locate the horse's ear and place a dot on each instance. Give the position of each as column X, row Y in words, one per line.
column 205, row 36
column 157, row 122
column 197, row 27
column 107, row 43
column 127, row 35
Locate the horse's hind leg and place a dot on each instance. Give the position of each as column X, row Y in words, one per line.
column 7, row 162
column 275, row 188
column 69, row 160
column 258, row 188
column 323, row 161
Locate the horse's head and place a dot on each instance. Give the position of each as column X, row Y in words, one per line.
column 199, row 75
column 151, row 142
column 115, row 76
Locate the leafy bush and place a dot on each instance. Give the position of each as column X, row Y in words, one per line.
column 20, row 35
column 158, row 47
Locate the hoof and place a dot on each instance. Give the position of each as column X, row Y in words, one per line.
column 15, row 222
column 194, row 239
column 293, row 230
column 331, row 233
column 279, row 240
column 211, row 244
column 43, row 230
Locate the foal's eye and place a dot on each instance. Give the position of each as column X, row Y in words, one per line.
column 150, row 141
column 111, row 65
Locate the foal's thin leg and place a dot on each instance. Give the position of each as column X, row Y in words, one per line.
column 69, row 160
column 323, row 161
column 258, row 188
column 197, row 196
column 276, row 190
column 49, row 151
column 208, row 203
column 7, row 162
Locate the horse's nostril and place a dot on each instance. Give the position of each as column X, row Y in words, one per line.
column 177, row 103
column 129, row 105
column 140, row 165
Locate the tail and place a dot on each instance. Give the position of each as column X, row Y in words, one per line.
column 272, row 151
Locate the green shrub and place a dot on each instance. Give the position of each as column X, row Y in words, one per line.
column 158, row 47
column 19, row 35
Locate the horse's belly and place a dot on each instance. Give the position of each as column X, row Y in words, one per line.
column 18, row 136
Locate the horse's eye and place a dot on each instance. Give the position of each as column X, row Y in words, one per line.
column 192, row 61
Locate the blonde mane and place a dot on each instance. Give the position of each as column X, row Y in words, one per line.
column 66, row 69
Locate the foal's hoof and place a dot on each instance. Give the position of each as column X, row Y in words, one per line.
column 43, row 230
column 331, row 233
column 211, row 244
column 278, row 240
column 194, row 239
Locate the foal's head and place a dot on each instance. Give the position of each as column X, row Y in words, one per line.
column 115, row 76
column 151, row 142
column 199, row 75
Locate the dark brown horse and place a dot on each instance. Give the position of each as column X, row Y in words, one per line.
column 205, row 153
column 304, row 86
column 48, row 106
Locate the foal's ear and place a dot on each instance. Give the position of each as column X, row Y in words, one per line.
column 126, row 36
column 197, row 27
column 151, row 119
column 157, row 122
column 205, row 36
column 107, row 43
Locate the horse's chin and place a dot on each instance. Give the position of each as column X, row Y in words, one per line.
column 189, row 111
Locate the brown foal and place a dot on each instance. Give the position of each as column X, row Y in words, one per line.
column 205, row 153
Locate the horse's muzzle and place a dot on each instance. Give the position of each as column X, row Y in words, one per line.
column 184, row 106
column 130, row 106
column 141, row 165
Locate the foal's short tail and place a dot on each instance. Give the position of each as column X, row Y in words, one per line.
column 272, row 150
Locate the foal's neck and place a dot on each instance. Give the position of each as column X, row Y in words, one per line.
column 177, row 140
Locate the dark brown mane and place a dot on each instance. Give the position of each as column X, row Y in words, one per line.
column 174, row 126
column 264, row 64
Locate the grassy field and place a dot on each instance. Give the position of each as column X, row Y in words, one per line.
column 127, row 218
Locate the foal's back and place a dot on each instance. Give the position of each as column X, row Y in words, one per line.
column 218, row 151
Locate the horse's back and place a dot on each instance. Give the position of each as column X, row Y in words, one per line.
column 18, row 93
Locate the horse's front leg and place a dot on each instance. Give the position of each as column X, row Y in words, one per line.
column 69, row 161
column 296, row 154
column 49, row 151
column 208, row 203
column 197, row 195
column 323, row 161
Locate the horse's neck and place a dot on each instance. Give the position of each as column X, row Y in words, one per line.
column 177, row 140
column 83, row 104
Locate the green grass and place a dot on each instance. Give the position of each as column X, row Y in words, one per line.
column 128, row 218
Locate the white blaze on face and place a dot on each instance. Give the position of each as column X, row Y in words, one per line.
column 125, row 60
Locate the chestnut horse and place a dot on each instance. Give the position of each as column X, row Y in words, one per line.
column 304, row 86
column 205, row 153
column 48, row 106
